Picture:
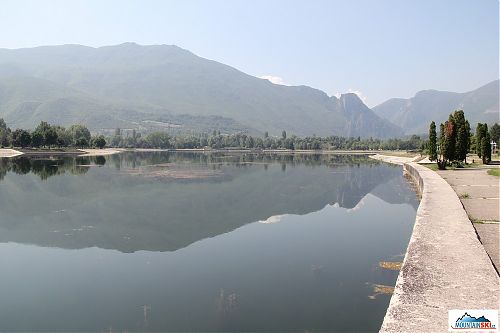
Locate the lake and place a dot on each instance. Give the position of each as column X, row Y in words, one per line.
column 164, row 241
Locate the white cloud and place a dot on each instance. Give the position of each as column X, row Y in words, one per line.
column 273, row 219
column 359, row 93
column 274, row 79
column 353, row 91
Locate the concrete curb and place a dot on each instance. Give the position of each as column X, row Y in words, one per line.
column 445, row 266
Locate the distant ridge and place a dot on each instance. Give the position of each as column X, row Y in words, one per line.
column 164, row 87
column 415, row 114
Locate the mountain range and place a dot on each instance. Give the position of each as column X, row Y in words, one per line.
column 415, row 114
column 164, row 87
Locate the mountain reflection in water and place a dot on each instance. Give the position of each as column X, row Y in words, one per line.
column 166, row 201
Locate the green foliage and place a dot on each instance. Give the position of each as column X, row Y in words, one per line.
column 21, row 138
column 480, row 133
column 45, row 135
column 237, row 141
column 483, row 146
column 99, row 142
column 432, row 145
column 450, row 132
column 454, row 140
column 80, row 135
column 5, row 134
column 158, row 140
column 495, row 133
column 462, row 136
column 486, row 148
column 37, row 139
column 494, row 172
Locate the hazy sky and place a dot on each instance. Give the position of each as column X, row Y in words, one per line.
column 380, row 48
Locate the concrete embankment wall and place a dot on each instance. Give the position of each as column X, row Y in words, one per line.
column 445, row 266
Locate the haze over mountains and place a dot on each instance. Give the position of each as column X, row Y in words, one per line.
column 164, row 87
column 133, row 86
column 414, row 114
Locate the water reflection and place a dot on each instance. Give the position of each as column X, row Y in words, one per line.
column 165, row 201
column 326, row 228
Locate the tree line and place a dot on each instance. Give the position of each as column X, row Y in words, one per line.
column 451, row 141
column 456, row 141
column 50, row 136
column 216, row 140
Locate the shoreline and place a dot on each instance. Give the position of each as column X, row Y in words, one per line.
column 8, row 153
column 445, row 266
column 100, row 152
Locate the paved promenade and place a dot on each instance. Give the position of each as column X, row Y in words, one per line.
column 480, row 195
column 445, row 267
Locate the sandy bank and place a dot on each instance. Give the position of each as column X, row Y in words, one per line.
column 9, row 153
column 100, row 152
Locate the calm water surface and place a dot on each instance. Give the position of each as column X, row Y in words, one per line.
column 194, row 242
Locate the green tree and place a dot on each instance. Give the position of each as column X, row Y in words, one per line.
column 160, row 140
column 449, row 139
column 469, row 135
column 81, row 142
column 461, row 144
column 64, row 137
column 442, row 146
column 432, row 146
column 480, row 133
column 99, row 142
column 37, row 139
column 283, row 134
column 4, row 134
column 50, row 137
column 495, row 133
column 80, row 135
column 21, row 138
column 48, row 133
column 486, row 148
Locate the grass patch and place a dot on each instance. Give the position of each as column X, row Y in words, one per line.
column 494, row 172
column 474, row 220
column 432, row 166
column 464, row 195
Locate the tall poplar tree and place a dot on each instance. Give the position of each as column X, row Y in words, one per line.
column 461, row 137
column 480, row 132
column 432, row 148
column 449, row 139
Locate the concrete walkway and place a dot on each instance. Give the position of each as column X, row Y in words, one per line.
column 480, row 195
column 400, row 160
column 445, row 266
